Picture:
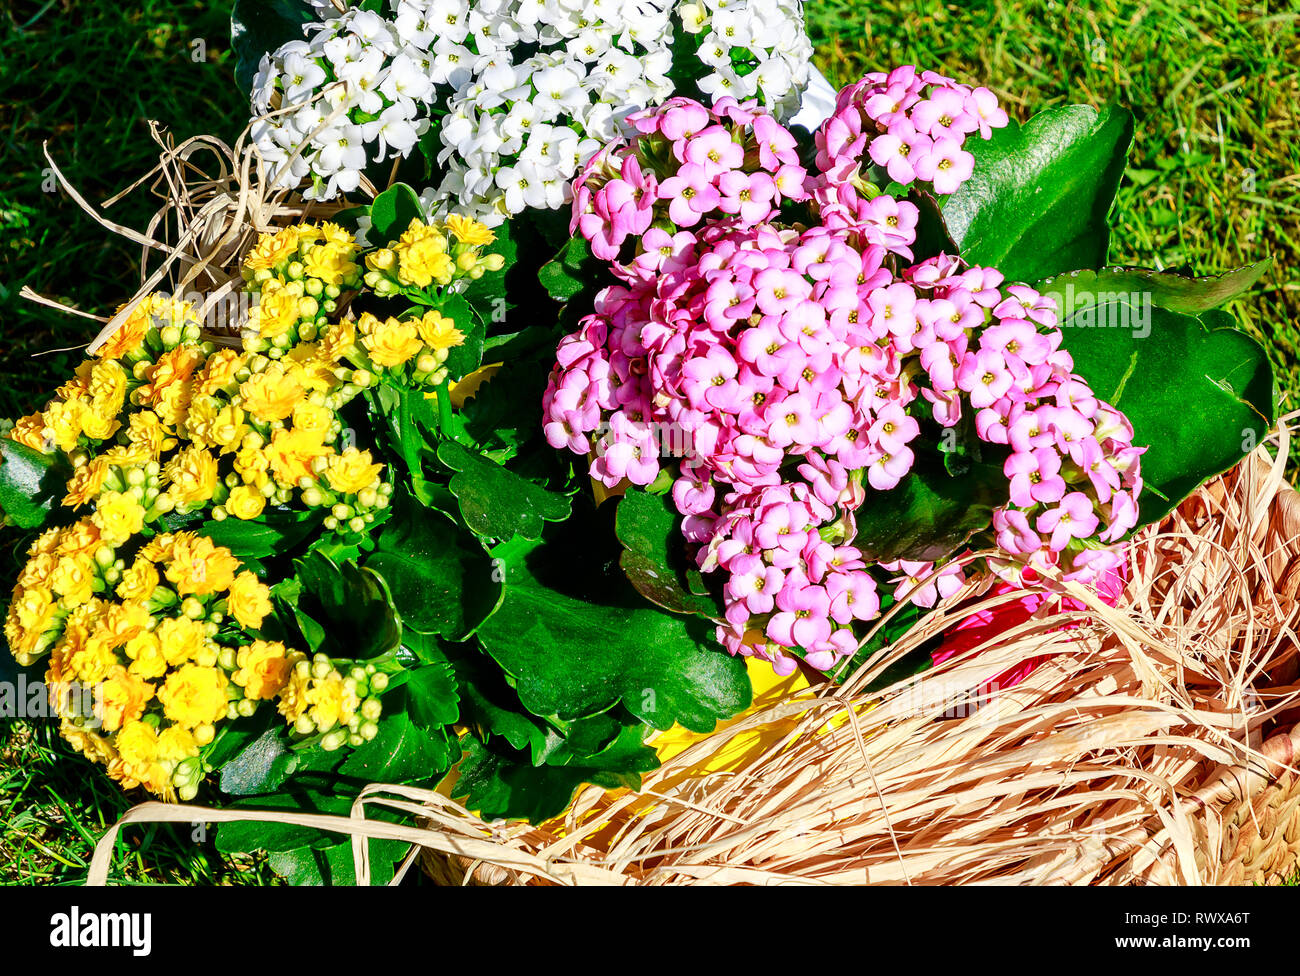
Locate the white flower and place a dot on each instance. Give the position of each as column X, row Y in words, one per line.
column 510, row 134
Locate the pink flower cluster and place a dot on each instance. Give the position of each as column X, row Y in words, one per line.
column 689, row 162
column 911, row 124
column 799, row 364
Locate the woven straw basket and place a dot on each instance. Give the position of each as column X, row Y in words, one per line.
column 1155, row 744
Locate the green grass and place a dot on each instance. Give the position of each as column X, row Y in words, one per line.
column 1212, row 86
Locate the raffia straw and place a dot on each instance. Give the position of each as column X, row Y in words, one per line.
column 1110, row 763
column 207, row 222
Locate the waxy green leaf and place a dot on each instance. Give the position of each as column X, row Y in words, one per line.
column 1037, row 201
column 578, row 639
column 1168, row 289
column 30, row 483
column 441, row 579
column 500, row 783
column 495, row 502
column 654, row 559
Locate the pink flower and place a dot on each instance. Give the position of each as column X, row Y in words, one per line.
column 691, row 194
column 1073, row 518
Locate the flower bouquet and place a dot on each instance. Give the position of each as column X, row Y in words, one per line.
column 595, row 380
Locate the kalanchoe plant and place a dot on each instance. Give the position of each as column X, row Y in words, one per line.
column 418, row 517
column 504, row 101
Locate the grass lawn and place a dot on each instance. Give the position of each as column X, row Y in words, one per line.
column 1213, row 183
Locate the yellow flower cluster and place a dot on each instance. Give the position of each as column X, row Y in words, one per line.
column 297, row 275
column 429, row 255
column 163, row 421
column 143, row 657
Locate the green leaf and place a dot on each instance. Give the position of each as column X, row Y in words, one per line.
column 1037, row 201
column 572, row 271
column 260, row 767
column 577, row 640
column 649, row 527
column 441, row 579
column 432, row 695
column 402, row 752
column 930, row 514
column 344, row 611
column 1198, row 392
column 490, row 707
column 392, row 212
column 468, row 356
column 30, row 483
column 276, row 532
column 410, row 424
column 258, row 27
column 499, row 783
column 495, row 502
column 335, row 867
column 1168, row 289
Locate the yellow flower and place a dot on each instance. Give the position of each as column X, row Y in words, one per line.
column 192, row 474
column 264, row 669
column 218, row 373
column 276, row 311
column 249, row 600
column 145, row 430
column 330, row 701
column 422, row 257
column 252, row 465
column 334, row 234
column 86, row 482
column 31, row 614
column 30, row 432
column 469, row 231
column 137, row 744
column 119, row 515
column 339, row 341
column 63, row 423
column 199, row 567
column 81, row 538
column 172, row 372
column 123, row 696
column 438, row 332
column 351, row 471
column 392, row 343
column 176, row 744
column 129, row 335
column 332, row 263
column 272, row 249
column 98, row 426
column 107, row 387
column 293, row 697
column 245, row 502
column 313, row 417
column 120, row 622
column 291, row 454
column 194, row 696
column 74, row 579
column 146, row 654
column 272, row 394
column 91, row 662
column 181, row 639
column 139, row 581
column 94, row 747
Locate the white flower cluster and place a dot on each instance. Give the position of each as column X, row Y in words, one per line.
column 522, row 92
column 771, row 31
